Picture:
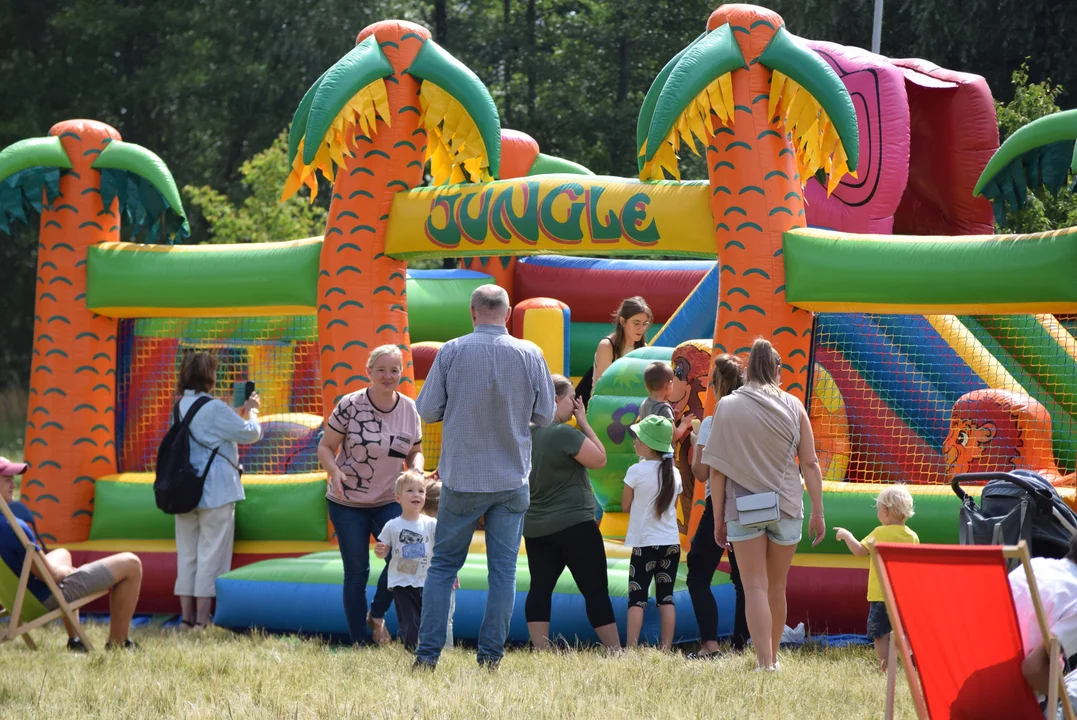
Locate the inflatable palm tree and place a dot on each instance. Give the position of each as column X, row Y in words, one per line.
column 770, row 113
column 1040, row 154
column 369, row 124
column 83, row 180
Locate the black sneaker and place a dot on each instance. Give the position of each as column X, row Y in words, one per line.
column 127, row 644
column 422, row 665
column 75, row 645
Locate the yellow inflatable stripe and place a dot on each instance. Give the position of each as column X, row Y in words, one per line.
column 975, row 355
column 204, row 312
column 203, row 249
column 253, row 547
column 984, row 308
column 1059, row 334
column 147, row 479
column 274, row 387
column 546, row 328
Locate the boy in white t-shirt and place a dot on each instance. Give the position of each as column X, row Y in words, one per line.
column 410, row 537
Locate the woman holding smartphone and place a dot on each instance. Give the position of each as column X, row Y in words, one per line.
column 204, row 536
column 372, row 436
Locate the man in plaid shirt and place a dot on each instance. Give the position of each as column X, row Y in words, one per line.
column 486, row 387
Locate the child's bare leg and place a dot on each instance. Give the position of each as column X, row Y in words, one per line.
column 635, row 622
column 882, row 650
column 667, row 621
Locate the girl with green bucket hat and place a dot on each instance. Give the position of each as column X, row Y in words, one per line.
column 651, row 487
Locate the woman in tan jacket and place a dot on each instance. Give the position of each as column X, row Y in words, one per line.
column 758, row 433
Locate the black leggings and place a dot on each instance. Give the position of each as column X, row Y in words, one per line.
column 580, row 548
column 657, row 562
column 703, row 559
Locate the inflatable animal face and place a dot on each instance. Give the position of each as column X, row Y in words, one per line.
column 691, row 370
column 966, row 445
column 999, row 431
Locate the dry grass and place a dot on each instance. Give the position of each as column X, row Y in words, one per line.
column 222, row 675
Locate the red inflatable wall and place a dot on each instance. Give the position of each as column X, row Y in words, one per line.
column 577, row 282
column 954, row 134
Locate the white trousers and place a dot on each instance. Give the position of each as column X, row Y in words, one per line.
column 204, row 549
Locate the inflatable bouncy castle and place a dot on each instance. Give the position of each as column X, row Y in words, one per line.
column 839, row 219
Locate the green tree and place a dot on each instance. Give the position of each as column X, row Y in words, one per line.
column 259, row 217
column 1045, row 210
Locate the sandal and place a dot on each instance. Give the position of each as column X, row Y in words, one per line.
column 377, row 630
column 188, row 625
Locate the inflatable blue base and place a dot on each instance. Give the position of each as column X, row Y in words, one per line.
column 299, row 605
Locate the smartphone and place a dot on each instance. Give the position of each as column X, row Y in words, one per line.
column 242, row 392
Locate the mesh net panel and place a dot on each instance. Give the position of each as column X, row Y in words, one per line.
column 922, row 398
column 280, row 354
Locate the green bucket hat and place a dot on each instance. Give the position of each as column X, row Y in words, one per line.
column 655, row 432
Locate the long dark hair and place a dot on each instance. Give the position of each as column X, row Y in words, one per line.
column 667, row 486
column 629, row 307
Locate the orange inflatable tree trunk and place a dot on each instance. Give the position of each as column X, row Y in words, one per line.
column 72, row 417
column 770, row 113
column 77, row 178
column 370, row 123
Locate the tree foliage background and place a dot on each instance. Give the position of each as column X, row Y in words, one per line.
column 209, row 85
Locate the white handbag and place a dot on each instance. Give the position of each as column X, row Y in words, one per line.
column 757, row 509
column 762, row 508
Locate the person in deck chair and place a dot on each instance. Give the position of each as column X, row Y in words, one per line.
column 120, row 573
column 1057, row 583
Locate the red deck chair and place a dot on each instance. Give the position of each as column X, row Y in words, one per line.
column 951, row 609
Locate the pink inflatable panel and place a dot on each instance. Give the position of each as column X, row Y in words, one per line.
column 867, row 203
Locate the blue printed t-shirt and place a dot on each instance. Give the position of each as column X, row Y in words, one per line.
column 13, row 554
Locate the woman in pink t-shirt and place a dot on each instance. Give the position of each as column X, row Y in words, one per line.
column 371, row 437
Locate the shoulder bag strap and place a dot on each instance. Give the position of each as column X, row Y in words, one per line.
column 198, row 405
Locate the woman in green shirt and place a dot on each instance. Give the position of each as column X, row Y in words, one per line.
column 560, row 528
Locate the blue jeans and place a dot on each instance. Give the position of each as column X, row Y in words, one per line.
column 354, row 526
column 458, row 515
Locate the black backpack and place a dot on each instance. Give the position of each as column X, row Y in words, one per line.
column 177, row 487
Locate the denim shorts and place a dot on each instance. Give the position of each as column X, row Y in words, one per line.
column 780, row 532
column 878, row 620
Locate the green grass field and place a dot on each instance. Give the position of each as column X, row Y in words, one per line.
column 218, row 674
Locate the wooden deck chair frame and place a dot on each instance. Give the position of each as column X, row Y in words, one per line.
column 35, row 559
column 899, row 643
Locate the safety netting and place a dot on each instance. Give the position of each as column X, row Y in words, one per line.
column 905, row 398
column 279, row 354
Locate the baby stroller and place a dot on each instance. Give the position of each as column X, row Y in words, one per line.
column 1015, row 506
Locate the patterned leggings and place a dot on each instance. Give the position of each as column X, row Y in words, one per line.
column 653, row 562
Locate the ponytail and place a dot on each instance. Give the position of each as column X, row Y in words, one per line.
column 667, row 487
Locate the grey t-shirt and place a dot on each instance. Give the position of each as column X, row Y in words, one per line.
column 656, row 407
